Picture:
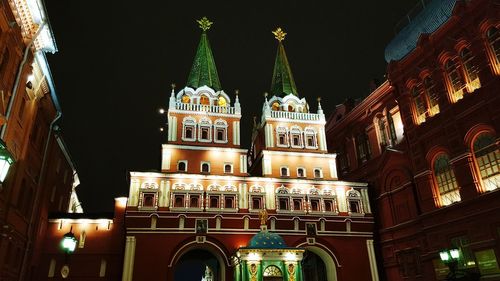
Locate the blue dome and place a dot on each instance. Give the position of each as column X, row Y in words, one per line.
column 427, row 21
column 266, row 240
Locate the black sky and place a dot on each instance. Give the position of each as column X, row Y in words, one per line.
column 117, row 59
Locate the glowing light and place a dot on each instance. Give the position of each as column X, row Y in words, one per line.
column 121, row 201
column 454, row 253
column 104, row 224
column 444, row 256
column 161, row 110
column 31, row 77
column 253, row 257
column 290, row 256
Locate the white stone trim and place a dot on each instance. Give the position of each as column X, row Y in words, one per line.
column 166, row 157
column 128, row 260
column 182, row 161
column 236, row 132
column 219, row 149
column 372, row 259
column 305, row 154
column 220, row 126
column 243, row 164
column 209, row 167
column 333, row 168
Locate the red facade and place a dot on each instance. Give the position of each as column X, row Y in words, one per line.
column 435, row 181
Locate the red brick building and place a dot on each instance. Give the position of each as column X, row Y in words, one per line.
column 41, row 177
column 427, row 141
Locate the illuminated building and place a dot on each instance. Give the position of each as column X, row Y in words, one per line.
column 426, row 140
column 207, row 205
column 205, row 201
column 41, row 177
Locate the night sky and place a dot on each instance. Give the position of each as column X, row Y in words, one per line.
column 117, row 59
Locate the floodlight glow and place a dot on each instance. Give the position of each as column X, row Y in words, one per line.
column 444, row 255
column 455, row 253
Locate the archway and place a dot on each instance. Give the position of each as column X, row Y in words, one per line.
column 327, row 257
column 193, row 264
column 313, row 267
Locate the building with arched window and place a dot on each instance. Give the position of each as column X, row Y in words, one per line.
column 433, row 132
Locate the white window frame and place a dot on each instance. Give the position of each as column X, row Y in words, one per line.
column 296, row 131
column 309, row 131
column 188, row 122
column 232, row 168
column 353, row 195
column 209, row 167
column 282, row 130
column 185, row 163
column 320, row 173
column 205, row 123
column 220, row 124
column 304, row 172
column 287, row 171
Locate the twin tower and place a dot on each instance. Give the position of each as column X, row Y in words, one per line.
column 202, row 115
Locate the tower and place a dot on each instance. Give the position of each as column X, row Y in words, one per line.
column 290, row 140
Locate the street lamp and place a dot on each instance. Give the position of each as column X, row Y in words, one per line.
column 68, row 242
column 450, row 258
column 6, row 161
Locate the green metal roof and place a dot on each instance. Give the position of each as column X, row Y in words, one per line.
column 282, row 83
column 204, row 72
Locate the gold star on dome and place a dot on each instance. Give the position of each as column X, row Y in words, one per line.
column 279, row 34
column 204, row 23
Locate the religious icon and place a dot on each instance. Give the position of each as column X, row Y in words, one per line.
column 201, row 226
column 263, row 217
column 311, row 229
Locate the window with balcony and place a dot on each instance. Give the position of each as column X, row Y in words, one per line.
column 471, row 70
column 455, row 79
column 487, row 158
column 446, row 182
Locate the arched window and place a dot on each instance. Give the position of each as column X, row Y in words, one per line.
column 220, row 131
column 494, row 42
column 432, row 95
column 419, row 103
column 185, row 99
column 214, row 201
column 296, row 137
column 445, row 180
column 194, row 202
column 456, row 80
column 487, row 157
column 382, row 131
column 4, row 60
column 301, row 173
column 205, row 167
column 281, row 137
column 182, row 166
column 272, row 271
column 471, row 69
column 228, row 168
column 222, row 101
column 205, row 130
column 363, row 147
column 310, row 137
column 297, row 204
column 204, row 100
column 179, row 201
column 189, row 129
column 291, row 107
column 284, row 172
column 317, row 173
column 275, row 106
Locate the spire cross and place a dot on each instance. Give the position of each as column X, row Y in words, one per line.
column 204, row 23
column 279, row 34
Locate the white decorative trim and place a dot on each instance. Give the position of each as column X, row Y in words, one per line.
column 243, row 163
column 205, row 123
column 220, row 124
column 296, row 131
column 182, row 161
column 128, row 259
column 304, row 175
column 236, row 132
column 320, row 172
column 333, row 169
column 189, row 122
column 372, row 259
column 166, row 158
column 304, row 154
column 287, row 171
column 218, row 149
column 281, row 130
column 311, row 132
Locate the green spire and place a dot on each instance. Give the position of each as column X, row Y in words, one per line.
column 204, row 72
column 282, row 83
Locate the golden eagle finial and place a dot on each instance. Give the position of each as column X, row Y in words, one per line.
column 204, row 23
column 279, row 34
